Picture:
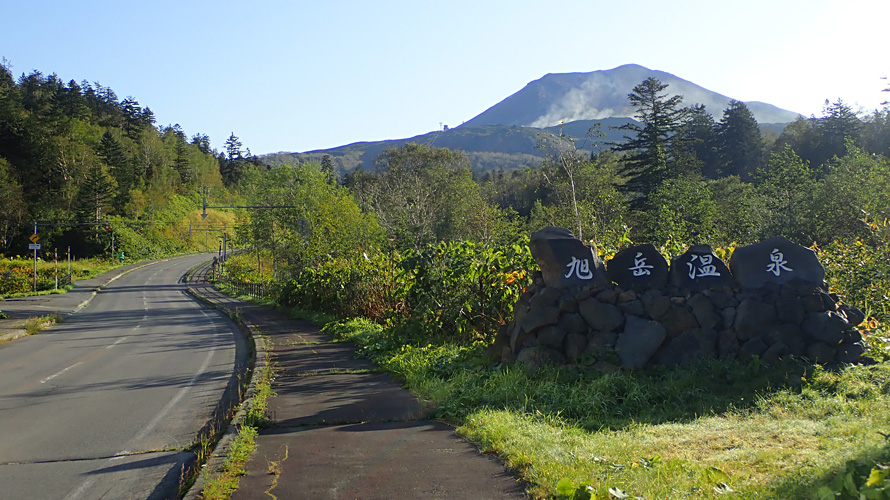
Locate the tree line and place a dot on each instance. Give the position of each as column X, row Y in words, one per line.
column 73, row 154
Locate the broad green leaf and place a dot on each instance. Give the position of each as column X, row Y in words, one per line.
column 565, row 486
column 877, row 476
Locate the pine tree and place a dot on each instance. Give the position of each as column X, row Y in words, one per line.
column 112, row 153
column 647, row 162
column 739, row 143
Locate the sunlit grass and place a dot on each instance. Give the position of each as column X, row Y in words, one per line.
column 704, row 431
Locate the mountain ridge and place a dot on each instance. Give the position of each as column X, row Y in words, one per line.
column 508, row 134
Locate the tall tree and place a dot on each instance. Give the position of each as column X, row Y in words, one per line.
column 425, row 194
column 838, row 124
column 648, row 148
column 112, row 153
column 739, row 145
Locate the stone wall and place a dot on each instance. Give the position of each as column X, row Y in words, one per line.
column 669, row 322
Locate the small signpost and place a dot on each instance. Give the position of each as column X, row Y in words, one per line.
column 34, row 246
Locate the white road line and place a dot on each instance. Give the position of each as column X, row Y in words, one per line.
column 54, row 375
column 118, row 341
column 156, row 420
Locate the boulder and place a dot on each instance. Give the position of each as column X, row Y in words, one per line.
column 575, row 345
column 751, row 316
column 634, row 307
column 535, row 357
column 658, row 306
column 777, row 260
column 821, row 353
column 638, row 267
column 825, row 326
column 600, row 316
column 686, row 348
column 677, row 320
column 600, row 342
column 639, row 341
column 854, row 316
column 704, row 311
column 564, row 260
column 753, row 347
column 727, row 344
column 573, row 323
column 699, row 269
column 551, row 336
column 545, row 297
column 850, row 353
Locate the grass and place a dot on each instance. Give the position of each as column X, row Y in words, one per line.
column 34, row 325
column 787, row 431
column 222, row 485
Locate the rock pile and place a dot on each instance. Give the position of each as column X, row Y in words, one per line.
column 702, row 310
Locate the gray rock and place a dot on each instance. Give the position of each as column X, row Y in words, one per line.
column 638, row 267
column 699, row 269
column 790, row 310
column 639, row 341
column 627, row 296
column 567, row 304
column 854, row 316
column 677, row 320
column 728, row 317
column 825, row 326
column 600, row 316
column 535, row 357
column 545, row 297
column 686, row 348
column 608, row 296
column 634, row 307
column 751, row 316
column 727, row 344
column 539, row 318
column 813, row 302
column 551, row 336
column 851, row 337
column 575, row 345
column 721, row 300
column 704, row 311
column 821, row 352
column 599, row 342
column 564, row 260
column 850, row 353
column 658, row 307
column 775, row 261
column 775, row 352
column 753, row 347
column 573, row 323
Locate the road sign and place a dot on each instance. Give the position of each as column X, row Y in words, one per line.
column 34, row 238
column 34, row 246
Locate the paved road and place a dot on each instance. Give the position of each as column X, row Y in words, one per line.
column 108, row 403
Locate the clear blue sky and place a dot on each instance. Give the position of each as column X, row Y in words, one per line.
column 299, row 75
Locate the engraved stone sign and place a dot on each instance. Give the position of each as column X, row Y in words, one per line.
column 564, row 260
column 776, row 260
column 639, row 267
column 699, row 269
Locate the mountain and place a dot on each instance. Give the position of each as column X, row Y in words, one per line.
column 567, row 97
column 508, row 134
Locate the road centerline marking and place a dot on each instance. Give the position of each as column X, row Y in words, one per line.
column 54, row 375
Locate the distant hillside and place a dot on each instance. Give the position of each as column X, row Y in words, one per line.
column 508, row 135
column 567, row 97
column 489, row 147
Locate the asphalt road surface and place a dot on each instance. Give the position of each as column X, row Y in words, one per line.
column 107, row 404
